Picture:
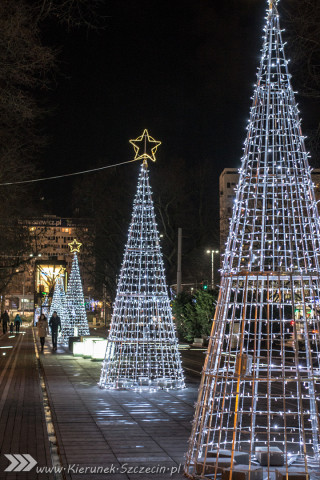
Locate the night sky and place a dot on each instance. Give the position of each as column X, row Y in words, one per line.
column 182, row 69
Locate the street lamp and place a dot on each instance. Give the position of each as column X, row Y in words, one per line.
column 212, row 266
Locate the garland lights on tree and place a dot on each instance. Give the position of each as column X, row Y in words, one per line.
column 259, row 396
column 59, row 305
column 78, row 322
column 142, row 349
column 44, row 308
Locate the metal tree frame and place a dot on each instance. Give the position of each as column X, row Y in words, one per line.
column 78, row 321
column 260, row 385
column 142, row 349
column 59, row 304
column 44, row 308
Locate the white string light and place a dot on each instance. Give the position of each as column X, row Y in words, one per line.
column 78, row 322
column 59, row 305
column 261, row 381
column 55, row 177
column 142, row 349
column 44, row 308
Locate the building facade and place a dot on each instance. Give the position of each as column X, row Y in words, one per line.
column 227, row 183
column 50, row 236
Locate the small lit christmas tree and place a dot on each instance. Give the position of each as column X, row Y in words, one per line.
column 142, row 349
column 59, row 305
column 259, row 398
column 44, row 308
column 78, row 323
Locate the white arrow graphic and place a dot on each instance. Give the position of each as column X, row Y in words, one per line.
column 14, row 462
column 20, row 463
column 23, row 462
column 32, row 462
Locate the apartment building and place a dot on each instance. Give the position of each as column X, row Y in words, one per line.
column 51, row 256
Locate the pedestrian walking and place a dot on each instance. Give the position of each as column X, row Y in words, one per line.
column 5, row 321
column 55, row 324
column 17, row 322
column 43, row 329
column 11, row 327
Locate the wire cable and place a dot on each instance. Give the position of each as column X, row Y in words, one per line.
column 67, row 174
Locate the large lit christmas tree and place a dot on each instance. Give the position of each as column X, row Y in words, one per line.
column 259, row 396
column 59, row 305
column 142, row 349
column 78, row 323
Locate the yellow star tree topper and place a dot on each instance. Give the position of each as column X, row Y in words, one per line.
column 145, row 147
column 74, row 246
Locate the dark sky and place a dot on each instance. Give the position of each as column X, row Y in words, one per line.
column 182, row 69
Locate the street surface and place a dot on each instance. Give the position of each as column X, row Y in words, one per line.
column 123, row 432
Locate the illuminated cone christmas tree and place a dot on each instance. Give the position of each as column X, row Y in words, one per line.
column 260, row 388
column 142, row 348
column 78, row 322
column 59, row 305
column 44, row 308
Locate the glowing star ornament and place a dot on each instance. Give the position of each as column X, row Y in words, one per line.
column 142, row 347
column 259, row 397
column 145, row 147
column 75, row 246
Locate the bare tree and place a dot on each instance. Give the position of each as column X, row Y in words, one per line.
column 302, row 18
column 26, row 74
column 72, row 13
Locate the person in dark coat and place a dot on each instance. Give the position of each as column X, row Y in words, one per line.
column 55, row 324
column 5, row 321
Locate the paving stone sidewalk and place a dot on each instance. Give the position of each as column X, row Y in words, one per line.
column 118, row 430
column 22, row 421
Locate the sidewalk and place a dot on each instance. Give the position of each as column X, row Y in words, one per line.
column 112, row 430
column 115, row 429
column 22, row 421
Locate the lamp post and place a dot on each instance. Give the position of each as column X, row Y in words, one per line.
column 212, row 266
